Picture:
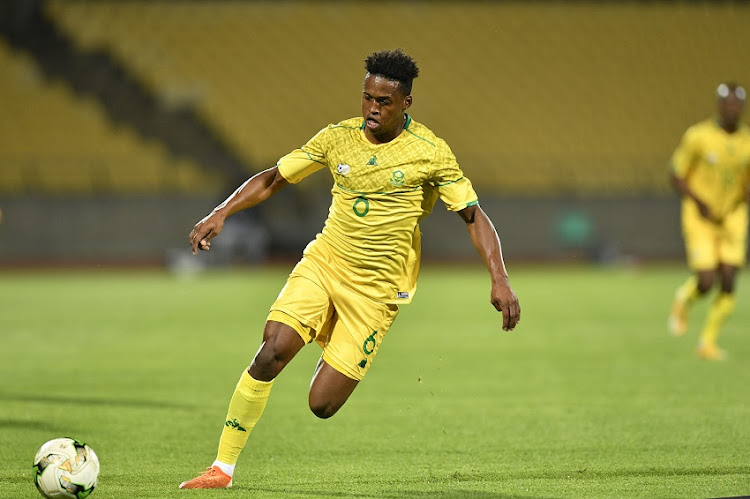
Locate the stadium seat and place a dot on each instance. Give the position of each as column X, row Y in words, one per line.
column 59, row 142
column 533, row 98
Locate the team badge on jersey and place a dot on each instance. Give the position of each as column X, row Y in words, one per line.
column 397, row 178
column 343, row 169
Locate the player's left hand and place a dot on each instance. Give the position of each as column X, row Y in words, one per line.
column 504, row 300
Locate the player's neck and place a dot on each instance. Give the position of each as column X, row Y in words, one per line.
column 727, row 126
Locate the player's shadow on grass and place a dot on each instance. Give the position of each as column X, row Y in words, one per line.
column 448, row 494
column 91, row 401
column 500, row 478
column 19, row 424
column 630, row 472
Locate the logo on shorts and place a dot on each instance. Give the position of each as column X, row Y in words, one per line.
column 402, row 295
column 343, row 169
column 369, row 345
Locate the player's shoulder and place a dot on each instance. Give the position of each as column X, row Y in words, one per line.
column 348, row 124
column 335, row 132
column 701, row 130
column 421, row 132
column 702, row 127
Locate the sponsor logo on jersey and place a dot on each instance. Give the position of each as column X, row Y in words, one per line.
column 343, row 169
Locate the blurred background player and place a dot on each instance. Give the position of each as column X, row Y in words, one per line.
column 710, row 171
column 388, row 171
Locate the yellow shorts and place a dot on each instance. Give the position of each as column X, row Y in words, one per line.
column 708, row 244
column 348, row 326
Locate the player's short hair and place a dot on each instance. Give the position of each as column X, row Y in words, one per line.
column 724, row 89
column 394, row 65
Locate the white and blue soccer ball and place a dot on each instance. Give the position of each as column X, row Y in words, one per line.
column 65, row 467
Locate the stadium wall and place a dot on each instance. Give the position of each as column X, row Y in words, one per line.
column 127, row 230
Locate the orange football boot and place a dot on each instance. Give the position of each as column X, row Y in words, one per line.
column 212, row 478
column 678, row 318
column 710, row 352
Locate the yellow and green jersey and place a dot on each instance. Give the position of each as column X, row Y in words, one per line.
column 380, row 194
column 716, row 165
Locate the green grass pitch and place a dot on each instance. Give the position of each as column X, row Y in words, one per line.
column 589, row 397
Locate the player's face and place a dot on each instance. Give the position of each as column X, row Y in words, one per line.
column 730, row 109
column 383, row 107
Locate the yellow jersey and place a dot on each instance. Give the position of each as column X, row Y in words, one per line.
column 715, row 164
column 380, row 194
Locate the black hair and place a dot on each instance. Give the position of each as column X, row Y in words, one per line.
column 394, row 65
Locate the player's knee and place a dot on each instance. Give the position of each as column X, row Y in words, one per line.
column 323, row 409
column 268, row 363
column 727, row 280
column 704, row 285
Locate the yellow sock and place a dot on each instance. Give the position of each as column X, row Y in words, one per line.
column 720, row 309
column 245, row 408
column 688, row 292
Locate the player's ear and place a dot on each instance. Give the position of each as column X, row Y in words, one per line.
column 407, row 102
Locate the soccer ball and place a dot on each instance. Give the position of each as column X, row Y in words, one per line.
column 65, row 467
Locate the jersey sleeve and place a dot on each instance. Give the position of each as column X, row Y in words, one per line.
column 305, row 161
column 453, row 187
column 686, row 153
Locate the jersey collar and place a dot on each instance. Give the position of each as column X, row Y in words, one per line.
column 407, row 122
column 741, row 127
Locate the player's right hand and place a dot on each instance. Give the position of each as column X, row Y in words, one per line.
column 705, row 212
column 204, row 231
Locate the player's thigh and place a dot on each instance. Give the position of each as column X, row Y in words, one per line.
column 701, row 243
column 356, row 333
column 304, row 305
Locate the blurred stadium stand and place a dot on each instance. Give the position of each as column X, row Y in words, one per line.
column 59, row 142
column 553, row 108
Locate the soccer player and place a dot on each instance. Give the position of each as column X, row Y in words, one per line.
column 388, row 170
column 710, row 171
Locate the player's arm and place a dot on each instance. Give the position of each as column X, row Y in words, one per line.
column 682, row 164
column 682, row 187
column 485, row 239
column 253, row 192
